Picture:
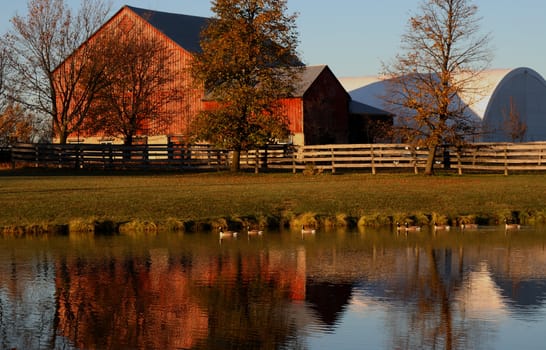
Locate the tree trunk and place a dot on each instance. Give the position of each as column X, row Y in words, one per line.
column 235, row 161
column 63, row 137
column 429, row 167
column 127, row 143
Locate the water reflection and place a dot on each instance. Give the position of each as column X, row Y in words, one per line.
column 370, row 289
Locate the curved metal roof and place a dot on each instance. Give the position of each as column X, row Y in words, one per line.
column 489, row 98
column 370, row 89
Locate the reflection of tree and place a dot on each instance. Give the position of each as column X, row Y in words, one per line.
column 239, row 296
column 27, row 302
column 431, row 315
column 247, row 304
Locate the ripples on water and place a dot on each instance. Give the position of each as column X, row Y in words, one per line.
column 345, row 290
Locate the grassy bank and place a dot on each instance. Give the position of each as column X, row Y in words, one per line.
column 178, row 201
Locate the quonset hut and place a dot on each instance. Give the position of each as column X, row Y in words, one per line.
column 519, row 92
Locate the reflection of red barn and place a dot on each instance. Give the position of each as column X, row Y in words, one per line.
column 318, row 113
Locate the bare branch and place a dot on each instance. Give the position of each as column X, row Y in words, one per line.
column 39, row 43
column 444, row 54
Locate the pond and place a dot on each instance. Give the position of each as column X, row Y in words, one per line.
column 362, row 289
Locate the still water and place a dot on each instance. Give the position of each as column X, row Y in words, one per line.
column 373, row 289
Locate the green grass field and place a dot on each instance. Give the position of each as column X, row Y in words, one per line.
column 56, row 198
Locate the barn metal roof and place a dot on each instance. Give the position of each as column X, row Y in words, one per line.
column 309, row 75
column 359, row 108
column 182, row 29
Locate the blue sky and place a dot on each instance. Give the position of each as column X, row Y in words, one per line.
column 353, row 37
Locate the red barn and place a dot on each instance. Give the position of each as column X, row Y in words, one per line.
column 318, row 113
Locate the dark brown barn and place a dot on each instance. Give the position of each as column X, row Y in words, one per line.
column 319, row 110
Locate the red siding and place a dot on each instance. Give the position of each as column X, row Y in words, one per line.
column 321, row 114
column 189, row 105
column 293, row 107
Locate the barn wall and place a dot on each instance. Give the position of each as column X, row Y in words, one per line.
column 185, row 109
column 181, row 111
column 326, row 111
column 320, row 116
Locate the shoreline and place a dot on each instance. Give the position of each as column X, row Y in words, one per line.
column 106, row 227
column 44, row 203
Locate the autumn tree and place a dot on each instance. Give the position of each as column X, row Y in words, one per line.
column 444, row 54
column 15, row 124
column 140, row 82
column 38, row 44
column 248, row 62
column 3, row 95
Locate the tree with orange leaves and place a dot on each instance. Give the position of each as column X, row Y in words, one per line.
column 444, row 54
column 248, row 62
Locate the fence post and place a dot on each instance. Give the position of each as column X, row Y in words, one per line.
column 77, row 149
column 505, row 160
column 414, row 153
column 265, row 157
column 373, row 160
column 293, row 160
column 256, row 161
column 146, row 154
column 459, row 163
column 60, row 156
column 333, row 161
column 37, row 156
column 110, row 156
column 12, row 158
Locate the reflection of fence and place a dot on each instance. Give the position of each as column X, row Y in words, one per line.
column 484, row 157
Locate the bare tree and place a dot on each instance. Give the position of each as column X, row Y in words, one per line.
column 3, row 95
column 248, row 63
column 444, row 56
column 513, row 124
column 39, row 44
column 142, row 81
column 15, row 124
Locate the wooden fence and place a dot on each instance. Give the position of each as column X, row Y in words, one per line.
column 477, row 157
column 145, row 157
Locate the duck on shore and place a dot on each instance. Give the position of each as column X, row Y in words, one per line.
column 305, row 230
column 508, row 226
column 441, row 227
column 226, row 234
column 253, row 232
column 468, row 226
column 411, row 228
